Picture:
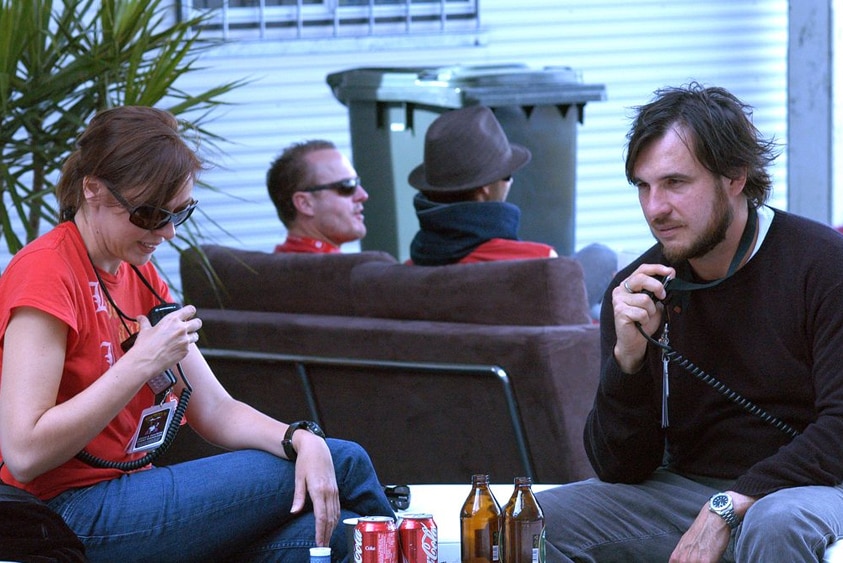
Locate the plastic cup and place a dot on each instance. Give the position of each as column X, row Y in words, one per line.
column 320, row 555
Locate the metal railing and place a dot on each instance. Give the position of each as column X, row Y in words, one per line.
column 302, row 363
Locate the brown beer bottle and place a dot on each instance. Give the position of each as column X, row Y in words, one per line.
column 522, row 536
column 480, row 520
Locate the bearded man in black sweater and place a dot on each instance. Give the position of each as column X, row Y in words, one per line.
column 716, row 429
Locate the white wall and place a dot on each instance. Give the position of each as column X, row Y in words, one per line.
column 632, row 48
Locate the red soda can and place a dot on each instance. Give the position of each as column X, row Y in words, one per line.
column 419, row 539
column 375, row 540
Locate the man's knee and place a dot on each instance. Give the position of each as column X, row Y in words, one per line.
column 778, row 521
column 770, row 511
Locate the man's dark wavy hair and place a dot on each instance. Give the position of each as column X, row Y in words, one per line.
column 718, row 128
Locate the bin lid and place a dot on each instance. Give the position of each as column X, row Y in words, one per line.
column 459, row 86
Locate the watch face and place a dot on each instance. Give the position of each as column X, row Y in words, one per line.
column 308, row 425
column 719, row 501
column 313, row 427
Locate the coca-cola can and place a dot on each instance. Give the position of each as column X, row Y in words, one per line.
column 418, row 539
column 375, row 540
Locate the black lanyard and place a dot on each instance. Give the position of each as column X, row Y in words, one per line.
column 741, row 252
column 120, row 314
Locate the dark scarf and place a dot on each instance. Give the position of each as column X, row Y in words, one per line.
column 451, row 231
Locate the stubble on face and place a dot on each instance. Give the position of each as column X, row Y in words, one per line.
column 720, row 219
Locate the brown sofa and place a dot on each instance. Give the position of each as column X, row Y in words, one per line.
column 439, row 372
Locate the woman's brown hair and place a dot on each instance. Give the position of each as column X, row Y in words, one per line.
column 134, row 149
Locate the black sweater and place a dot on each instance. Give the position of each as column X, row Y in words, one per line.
column 772, row 332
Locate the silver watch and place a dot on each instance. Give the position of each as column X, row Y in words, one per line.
column 721, row 504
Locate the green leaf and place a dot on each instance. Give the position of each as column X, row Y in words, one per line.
column 62, row 61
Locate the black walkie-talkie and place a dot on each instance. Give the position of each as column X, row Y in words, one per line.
column 665, row 281
column 167, row 378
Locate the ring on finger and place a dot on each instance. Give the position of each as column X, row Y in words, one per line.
column 626, row 286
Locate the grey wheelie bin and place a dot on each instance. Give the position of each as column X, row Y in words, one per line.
column 390, row 110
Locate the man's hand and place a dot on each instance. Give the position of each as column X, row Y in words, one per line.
column 708, row 537
column 633, row 307
column 705, row 541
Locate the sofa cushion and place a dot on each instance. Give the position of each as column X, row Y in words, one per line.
column 541, row 292
column 273, row 282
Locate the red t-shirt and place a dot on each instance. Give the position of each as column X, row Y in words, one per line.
column 54, row 274
column 307, row 246
column 506, row 249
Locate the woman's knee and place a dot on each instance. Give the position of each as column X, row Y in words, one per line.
column 349, row 456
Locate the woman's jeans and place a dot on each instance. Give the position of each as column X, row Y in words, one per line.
column 232, row 506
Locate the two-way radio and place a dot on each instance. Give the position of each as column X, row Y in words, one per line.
column 159, row 385
column 166, row 379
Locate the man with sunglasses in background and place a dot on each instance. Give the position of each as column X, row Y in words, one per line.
column 318, row 196
column 463, row 183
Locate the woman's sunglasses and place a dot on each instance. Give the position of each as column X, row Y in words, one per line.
column 153, row 218
column 344, row 188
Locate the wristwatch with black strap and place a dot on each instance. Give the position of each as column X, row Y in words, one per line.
column 287, row 442
column 721, row 504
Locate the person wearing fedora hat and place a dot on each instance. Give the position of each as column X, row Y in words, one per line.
column 463, row 183
column 318, row 197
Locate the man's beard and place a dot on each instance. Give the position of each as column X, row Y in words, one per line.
column 714, row 233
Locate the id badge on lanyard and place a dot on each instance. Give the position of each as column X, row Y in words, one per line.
column 152, row 427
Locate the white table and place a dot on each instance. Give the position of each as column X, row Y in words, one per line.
column 444, row 502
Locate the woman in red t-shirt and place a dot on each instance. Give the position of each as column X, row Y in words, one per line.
column 79, row 414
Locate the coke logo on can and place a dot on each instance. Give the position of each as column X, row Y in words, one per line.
column 419, row 539
column 358, row 545
column 375, row 540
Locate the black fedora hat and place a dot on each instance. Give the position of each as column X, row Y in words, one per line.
column 466, row 148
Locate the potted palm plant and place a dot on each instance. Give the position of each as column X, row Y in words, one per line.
column 60, row 62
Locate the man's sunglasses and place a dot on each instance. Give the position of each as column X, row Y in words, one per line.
column 345, row 187
column 153, row 218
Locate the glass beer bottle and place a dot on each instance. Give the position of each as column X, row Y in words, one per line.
column 522, row 536
column 480, row 523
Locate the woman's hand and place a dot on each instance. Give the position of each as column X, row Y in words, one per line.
column 316, row 478
column 37, row 433
column 162, row 346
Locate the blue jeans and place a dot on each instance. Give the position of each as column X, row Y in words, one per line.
column 603, row 522
column 234, row 506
